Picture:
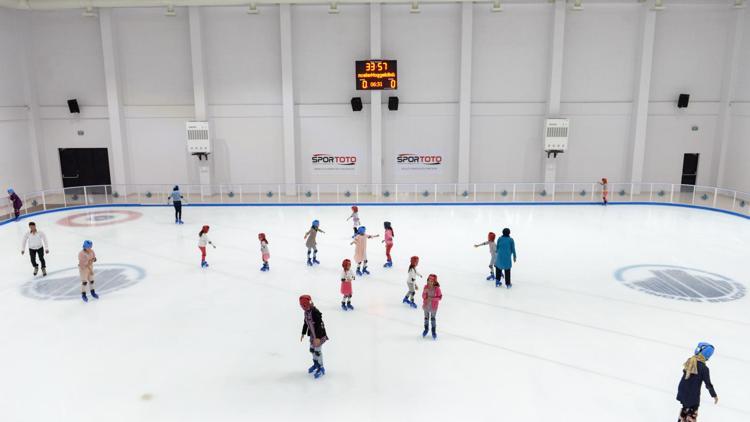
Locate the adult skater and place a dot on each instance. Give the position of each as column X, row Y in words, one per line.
column 203, row 241
column 176, row 198
column 431, row 296
column 314, row 327
column 411, row 282
column 346, row 285
column 694, row 373
column 37, row 244
column 355, row 219
column 493, row 253
column 15, row 202
column 312, row 242
column 360, row 249
column 388, row 244
column 506, row 247
column 605, row 190
column 86, row 259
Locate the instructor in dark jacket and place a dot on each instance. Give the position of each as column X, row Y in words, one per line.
column 694, row 373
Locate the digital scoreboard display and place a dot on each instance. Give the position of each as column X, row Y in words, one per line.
column 376, row 74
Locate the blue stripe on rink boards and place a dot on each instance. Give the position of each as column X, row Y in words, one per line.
column 384, row 204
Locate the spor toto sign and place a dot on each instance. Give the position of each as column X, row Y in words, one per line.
column 333, row 162
column 410, row 161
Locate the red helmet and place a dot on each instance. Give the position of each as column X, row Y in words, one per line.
column 491, row 236
column 414, row 261
column 604, row 180
column 305, row 301
column 205, row 229
column 262, row 237
column 355, row 208
column 433, row 278
column 346, row 264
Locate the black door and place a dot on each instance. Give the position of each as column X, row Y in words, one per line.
column 84, row 166
column 689, row 170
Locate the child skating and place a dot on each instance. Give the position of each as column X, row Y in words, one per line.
column 411, row 282
column 312, row 244
column 493, row 254
column 86, row 259
column 388, row 244
column 360, row 249
column 37, row 244
column 355, row 219
column 605, row 190
column 314, row 327
column 264, row 252
column 431, row 296
column 694, row 373
column 203, row 241
column 346, row 285
column 16, row 203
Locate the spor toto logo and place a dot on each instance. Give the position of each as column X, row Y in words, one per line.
column 430, row 160
column 680, row 283
column 340, row 160
column 66, row 284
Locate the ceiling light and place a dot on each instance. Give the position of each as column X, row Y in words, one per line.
column 577, row 5
column 252, row 9
column 658, row 5
column 414, row 7
column 170, row 11
column 739, row 4
column 496, row 6
column 89, row 12
column 333, row 8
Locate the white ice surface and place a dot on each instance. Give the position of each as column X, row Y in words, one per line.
column 567, row 343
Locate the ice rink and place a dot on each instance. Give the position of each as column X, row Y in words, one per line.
column 606, row 306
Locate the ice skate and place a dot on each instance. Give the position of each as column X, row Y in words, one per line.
column 434, row 334
column 388, row 264
column 313, row 368
column 264, row 267
column 84, row 297
column 44, row 272
column 309, row 262
column 36, row 270
column 320, row 372
column 180, row 222
column 424, row 333
column 359, row 272
column 349, row 305
column 343, row 306
column 94, row 295
column 413, row 304
column 490, row 277
column 315, row 261
column 508, row 285
column 406, row 300
column 204, row 264
column 364, row 271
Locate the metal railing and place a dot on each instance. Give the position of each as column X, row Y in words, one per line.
column 343, row 193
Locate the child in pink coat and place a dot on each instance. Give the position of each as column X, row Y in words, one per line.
column 265, row 254
column 431, row 296
column 388, row 243
column 346, row 285
column 360, row 249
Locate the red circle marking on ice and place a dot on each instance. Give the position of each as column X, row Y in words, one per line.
column 107, row 218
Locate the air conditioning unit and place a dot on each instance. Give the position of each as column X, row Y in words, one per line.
column 556, row 136
column 198, row 139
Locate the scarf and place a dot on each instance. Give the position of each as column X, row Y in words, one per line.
column 691, row 365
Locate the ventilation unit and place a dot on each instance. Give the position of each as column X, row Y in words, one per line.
column 198, row 139
column 556, row 136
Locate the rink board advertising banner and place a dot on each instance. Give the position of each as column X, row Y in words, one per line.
column 325, row 162
column 408, row 161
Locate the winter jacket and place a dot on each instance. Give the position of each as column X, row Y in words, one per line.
column 431, row 298
column 17, row 203
column 317, row 329
column 689, row 390
column 505, row 248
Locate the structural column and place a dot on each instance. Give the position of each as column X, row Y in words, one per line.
column 642, row 93
column 34, row 120
column 205, row 168
column 728, row 84
column 287, row 98
column 555, row 82
column 114, row 95
column 464, row 102
column 376, row 108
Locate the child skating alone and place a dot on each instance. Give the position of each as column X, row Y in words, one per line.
column 694, row 373
column 314, row 327
column 493, row 253
column 360, row 249
column 355, row 219
column 203, row 241
column 264, row 252
column 86, row 259
column 388, row 240
column 431, row 296
column 411, row 282
column 605, row 190
column 312, row 244
column 346, row 285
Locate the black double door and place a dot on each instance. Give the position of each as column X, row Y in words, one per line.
column 84, row 167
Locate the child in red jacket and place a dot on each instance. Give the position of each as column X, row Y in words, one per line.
column 431, row 296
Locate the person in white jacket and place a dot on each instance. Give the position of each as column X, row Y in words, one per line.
column 37, row 244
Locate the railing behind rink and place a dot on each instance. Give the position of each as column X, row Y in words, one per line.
column 349, row 193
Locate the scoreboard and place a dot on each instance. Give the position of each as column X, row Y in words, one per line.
column 376, row 74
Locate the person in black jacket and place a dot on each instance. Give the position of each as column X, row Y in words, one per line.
column 694, row 373
column 314, row 327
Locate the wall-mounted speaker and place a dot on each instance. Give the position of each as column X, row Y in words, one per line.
column 393, row 103
column 683, row 100
column 356, row 104
column 73, row 106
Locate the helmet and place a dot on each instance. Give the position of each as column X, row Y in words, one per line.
column 506, row 232
column 87, row 244
column 205, row 229
column 355, row 208
column 604, row 180
column 361, row 230
column 705, row 349
column 10, row 190
column 176, row 187
column 432, row 277
column 346, row 264
column 261, row 236
column 315, row 223
column 491, row 236
column 414, row 261
column 305, row 301
column 387, row 224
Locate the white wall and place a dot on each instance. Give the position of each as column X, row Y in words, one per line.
column 510, row 85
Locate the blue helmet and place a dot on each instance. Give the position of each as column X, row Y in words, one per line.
column 10, row 190
column 315, row 223
column 361, row 230
column 705, row 349
column 87, row 244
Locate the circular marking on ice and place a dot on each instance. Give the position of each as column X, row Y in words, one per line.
column 66, row 284
column 99, row 218
column 680, row 283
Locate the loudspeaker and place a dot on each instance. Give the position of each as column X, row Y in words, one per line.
column 393, row 103
column 73, row 106
column 683, row 101
column 356, row 104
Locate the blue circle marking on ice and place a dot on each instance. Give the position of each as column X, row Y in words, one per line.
column 680, row 283
column 66, row 284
